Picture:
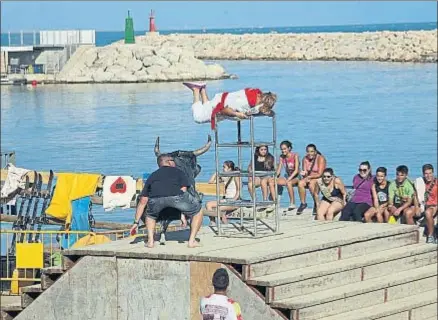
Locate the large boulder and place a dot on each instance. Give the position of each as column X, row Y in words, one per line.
column 102, row 76
column 160, row 61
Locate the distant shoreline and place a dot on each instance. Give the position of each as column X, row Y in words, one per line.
column 104, row 38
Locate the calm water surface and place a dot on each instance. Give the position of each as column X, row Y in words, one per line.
column 353, row 111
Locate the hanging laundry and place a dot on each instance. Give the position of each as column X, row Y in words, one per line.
column 118, row 191
column 14, row 181
column 79, row 221
column 70, row 187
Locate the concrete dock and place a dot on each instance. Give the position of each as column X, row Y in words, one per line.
column 311, row 270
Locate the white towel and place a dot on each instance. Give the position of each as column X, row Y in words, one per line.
column 421, row 189
column 14, row 180
column 122, row 195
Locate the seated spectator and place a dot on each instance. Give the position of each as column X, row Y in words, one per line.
column 232, row 191
column 380, row 193
column 314, row 164
column 427, row 188
column 401, row 196
column 290, row 161
column 263, row 161
column 361, row 200
column 333, row 195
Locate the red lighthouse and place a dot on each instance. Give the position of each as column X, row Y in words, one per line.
column 152, row 22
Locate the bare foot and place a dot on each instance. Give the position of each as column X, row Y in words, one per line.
column 224, row 219
column 149, row 244
column 194, row 244
column 183, row 221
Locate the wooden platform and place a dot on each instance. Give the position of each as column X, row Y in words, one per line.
column 298, row 235
column 311, row 270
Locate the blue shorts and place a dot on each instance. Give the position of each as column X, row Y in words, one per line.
column 186, row 203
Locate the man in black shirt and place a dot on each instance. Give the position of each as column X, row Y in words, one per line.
column 167, row 188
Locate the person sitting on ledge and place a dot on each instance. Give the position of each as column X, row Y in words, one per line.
column 290, row 161
column 380, row 193
column 239, row 104
column 232, row 192
column 427, row 188
column 401, row 196
column 167, row 188
column 333, row 195
column 314, row 164
column 361, row 199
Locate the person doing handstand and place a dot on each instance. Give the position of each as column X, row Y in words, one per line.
column 239, row 104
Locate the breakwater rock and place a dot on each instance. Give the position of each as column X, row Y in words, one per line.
column 136, row 63
column 409, row 46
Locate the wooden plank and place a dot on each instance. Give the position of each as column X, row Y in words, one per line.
column 174, row 250
column 208, row 189
column 201, row 274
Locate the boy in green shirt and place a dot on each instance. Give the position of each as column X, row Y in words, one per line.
column 401, row 194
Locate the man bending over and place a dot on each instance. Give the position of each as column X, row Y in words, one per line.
column 167, row 188
column 239, row 104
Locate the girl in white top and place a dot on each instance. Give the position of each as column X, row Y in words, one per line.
column 232, row 190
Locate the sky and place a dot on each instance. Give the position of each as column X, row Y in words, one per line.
column 171, row 15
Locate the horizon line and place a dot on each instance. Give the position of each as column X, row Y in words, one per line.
column 233, row 28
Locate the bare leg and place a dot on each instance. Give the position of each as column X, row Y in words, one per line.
column 211, row 206
column 150, row 225
column 302, row 190
column 322, row 210
column 290, row 190
column 264, row 184
column 250, row 186
column 430, row 213
column 386, row 214
column 280, row 181
column 333, row 210
column 183, row 221
column 204, row 96
column 314, row 190
column 196, row 95
column 272, row 188
column 369, row 214
column 409, row 215
column 194, row 228
column 379, row 214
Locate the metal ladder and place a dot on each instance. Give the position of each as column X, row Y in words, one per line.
column 253, row 203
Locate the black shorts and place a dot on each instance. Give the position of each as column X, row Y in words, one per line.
column 186, row 203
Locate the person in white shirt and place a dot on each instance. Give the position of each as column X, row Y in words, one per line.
column 218, row 306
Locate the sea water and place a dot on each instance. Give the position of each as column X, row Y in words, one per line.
column 385, row 113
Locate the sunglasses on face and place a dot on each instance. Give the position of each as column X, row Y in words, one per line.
column 327, row 177
column 363, row 170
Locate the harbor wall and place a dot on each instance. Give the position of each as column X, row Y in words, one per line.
column 406, row 46
column 120, row 288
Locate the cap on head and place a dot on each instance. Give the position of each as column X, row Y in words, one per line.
column 221, row 279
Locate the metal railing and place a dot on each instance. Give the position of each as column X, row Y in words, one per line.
column 50, row 244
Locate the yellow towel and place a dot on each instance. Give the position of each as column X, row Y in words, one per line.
column 392, row 220
column 69, row 187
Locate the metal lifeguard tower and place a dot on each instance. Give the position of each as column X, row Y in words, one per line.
column 262, row 225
